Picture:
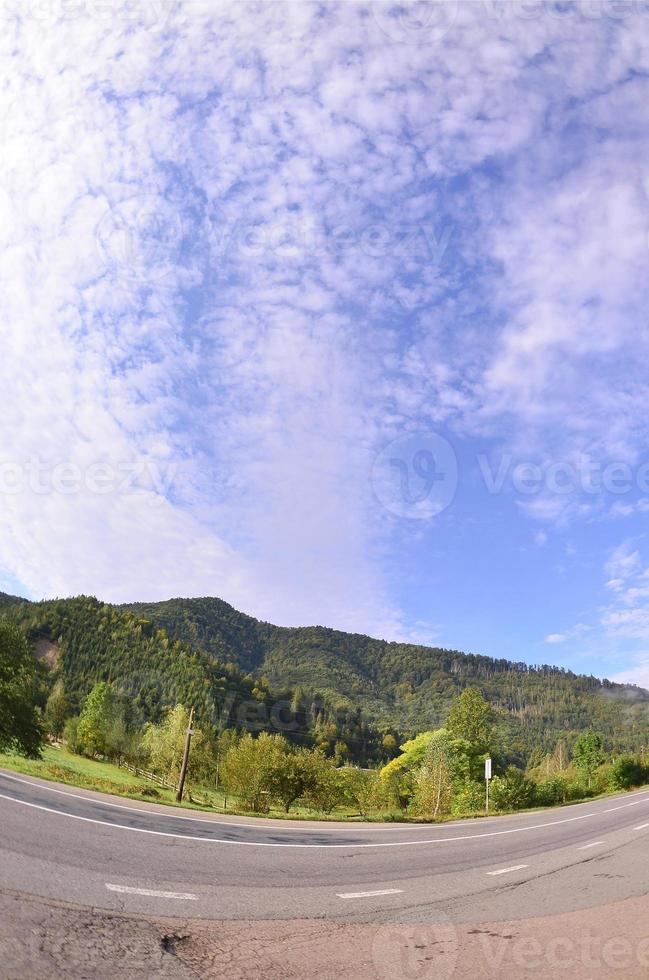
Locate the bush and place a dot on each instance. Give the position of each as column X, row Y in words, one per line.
column 469, row 798
column 626, row 772
column 578, row 790
column 552, row 791
column 513, row 791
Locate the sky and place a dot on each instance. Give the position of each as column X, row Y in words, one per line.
column 334, row 310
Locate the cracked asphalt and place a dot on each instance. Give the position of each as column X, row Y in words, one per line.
column 91, row 887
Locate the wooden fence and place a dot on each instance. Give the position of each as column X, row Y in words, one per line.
column 161, row 781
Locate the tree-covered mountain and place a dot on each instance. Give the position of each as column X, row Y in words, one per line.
column 405, row 686
column 321, row 684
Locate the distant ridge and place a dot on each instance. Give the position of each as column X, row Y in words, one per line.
column 197, row 649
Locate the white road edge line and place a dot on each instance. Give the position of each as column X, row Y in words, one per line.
column 211, row 819
column 321, row 847
column 151, row 892
column 504, row 871
column 643, row 826
column 383, row 891
column 595, row 843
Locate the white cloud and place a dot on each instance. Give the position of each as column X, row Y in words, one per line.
column 556, row 638
column 260, row 240
column 623, row 562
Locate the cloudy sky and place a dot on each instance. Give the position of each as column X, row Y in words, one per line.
column 334, row 310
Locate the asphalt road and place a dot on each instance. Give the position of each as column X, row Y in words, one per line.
column 103, row 853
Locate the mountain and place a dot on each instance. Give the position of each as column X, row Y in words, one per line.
column 401, row 685
column 10, row 600
column 342, row 686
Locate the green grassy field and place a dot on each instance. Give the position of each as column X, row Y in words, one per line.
column 62, row 766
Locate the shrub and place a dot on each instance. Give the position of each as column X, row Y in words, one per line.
column 626, row 772
column 513, row 791
column 552, row 791
column 469, row 798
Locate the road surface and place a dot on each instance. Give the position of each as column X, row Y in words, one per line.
column 76, row 850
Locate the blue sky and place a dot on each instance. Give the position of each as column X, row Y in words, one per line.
column 336, row 311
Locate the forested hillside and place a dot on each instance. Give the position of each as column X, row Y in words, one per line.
column 409, row 687
column 153, row 670
column 317, row 685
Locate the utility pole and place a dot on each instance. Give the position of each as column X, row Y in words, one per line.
column 184, row 767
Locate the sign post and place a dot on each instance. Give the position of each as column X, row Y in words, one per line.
column 487, row 776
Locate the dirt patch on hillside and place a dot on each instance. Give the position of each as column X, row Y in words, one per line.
column 47, row 652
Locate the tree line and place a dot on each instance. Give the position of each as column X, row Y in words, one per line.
column 436, row 774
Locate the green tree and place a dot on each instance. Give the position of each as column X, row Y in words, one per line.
column 472, row 718
column 225, row 741
column 70, row 732
column 288, row 774
column 412, row 755
column 360, row 788
column 588, row 754
column 469, row 798
column 96, row 720
column 248, row 767
column 552, row 791
column 341, row 753
column 389, row 746
column 20, row 729
column 165, row 747
column 324, row 792
column 57, row 710
column 433, row 794
column 118, row 739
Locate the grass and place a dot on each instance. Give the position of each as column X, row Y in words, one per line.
column 57, row 764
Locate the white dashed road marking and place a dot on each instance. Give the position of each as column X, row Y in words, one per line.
column 384, row 891
column 595, row 843
column 504, row 871
column 151, row 892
